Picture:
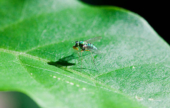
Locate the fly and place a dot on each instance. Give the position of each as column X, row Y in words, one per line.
column 87, row 46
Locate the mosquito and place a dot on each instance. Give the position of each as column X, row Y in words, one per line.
column 87, row 46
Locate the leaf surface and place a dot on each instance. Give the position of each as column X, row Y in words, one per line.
column 37, row 58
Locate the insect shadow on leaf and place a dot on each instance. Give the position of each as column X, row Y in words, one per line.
column 63, row 61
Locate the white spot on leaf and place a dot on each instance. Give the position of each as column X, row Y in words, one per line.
column 71, row 83
column 84, row 88
column 139, row 98
column 150, row 99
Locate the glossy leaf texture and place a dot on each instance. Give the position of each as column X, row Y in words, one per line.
column 37, row 58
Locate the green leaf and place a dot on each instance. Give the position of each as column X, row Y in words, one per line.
column 37, row 58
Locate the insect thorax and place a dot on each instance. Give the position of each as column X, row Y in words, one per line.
column 81, row 44
column 86, row 46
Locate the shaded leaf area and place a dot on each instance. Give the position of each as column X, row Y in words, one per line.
column 16, row 100
column 37, row 58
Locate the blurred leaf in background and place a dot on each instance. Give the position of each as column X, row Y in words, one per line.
column 16, row 100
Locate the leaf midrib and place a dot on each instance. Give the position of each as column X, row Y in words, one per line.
column 102, row 85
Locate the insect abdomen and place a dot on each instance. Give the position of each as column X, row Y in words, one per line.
column 91, row 46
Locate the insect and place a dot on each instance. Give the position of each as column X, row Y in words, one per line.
column 87, row 46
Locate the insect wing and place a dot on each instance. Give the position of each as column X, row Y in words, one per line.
column 93, row 39
column 92, row 49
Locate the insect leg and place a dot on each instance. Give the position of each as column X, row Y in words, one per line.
column 94, row 61
column 81, row 59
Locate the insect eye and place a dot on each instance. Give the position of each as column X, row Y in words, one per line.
column 77, row 43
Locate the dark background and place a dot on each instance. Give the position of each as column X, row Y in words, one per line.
column 155, row 12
